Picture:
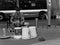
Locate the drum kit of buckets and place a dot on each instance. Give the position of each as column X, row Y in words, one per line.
column 27, row 33
column 24, row 32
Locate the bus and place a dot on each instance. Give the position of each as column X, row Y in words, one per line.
column 29, row 8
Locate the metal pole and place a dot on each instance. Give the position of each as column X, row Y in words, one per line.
column 49, row 11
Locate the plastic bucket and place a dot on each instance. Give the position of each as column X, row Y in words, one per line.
column 17, row 28
column 18, row 31
column 25, row 33
column 33, row 33
column 17, row 37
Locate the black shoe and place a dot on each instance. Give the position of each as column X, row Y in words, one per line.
column 41, row 39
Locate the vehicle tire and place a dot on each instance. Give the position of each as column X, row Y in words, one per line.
column 2, row 16
column 42, row 15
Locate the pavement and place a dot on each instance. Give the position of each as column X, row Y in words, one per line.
column 50, row 34
column 49, row 42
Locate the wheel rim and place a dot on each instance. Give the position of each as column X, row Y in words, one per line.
column 1, row 17
column 43, row 15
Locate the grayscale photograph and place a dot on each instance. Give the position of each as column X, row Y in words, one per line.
column 29, row 22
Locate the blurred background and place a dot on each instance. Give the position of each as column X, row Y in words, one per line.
column 48, row 33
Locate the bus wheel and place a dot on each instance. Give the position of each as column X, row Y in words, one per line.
column 42, row 15
column 2, row 16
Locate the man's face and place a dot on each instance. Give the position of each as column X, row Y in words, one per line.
column 17, row 23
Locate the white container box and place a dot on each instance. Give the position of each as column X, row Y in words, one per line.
column 25, row 33
column 33, row 33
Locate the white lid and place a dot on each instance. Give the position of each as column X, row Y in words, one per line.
column 17, row 28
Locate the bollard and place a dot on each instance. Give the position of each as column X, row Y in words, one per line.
column 37, row 25
column 36, row 22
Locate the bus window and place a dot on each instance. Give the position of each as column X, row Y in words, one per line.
column 7, row 6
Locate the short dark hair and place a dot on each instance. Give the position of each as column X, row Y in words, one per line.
column 17, row 9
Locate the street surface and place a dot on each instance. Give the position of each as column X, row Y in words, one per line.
column 51, row 35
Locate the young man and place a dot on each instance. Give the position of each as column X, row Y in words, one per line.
column 17, row 19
